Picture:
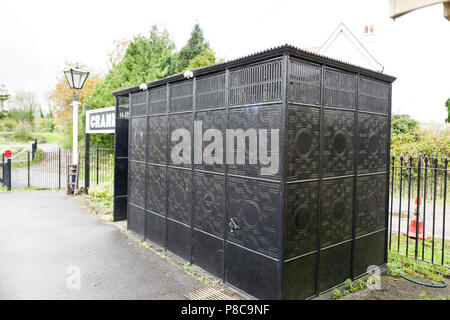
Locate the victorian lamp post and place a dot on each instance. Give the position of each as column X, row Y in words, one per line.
column 76, row 79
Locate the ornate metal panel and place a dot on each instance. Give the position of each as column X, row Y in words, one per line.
column 138, row 103
column 179, row 121
column 209, row 212
column 373, row 143
column 303, row 142
column 156, row 189
column 339, row 89
column 337, row 209
column 180, row 195
column 210, row 92
column 301, row 219
column 137, row 184
column 158, row 100
column 254, row 207
column 304, row 82
column 371, row 211
column 208, row 252
column 255, row 84
column 157, row 139
column 373, row 96
column 212, row 120
column 338, row 154
column 254, row 118
column 181, row 96
column 138, row 138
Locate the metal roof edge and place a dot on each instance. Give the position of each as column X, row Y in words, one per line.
column 263, row 55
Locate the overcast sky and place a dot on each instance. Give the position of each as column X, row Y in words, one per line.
column 37, row 37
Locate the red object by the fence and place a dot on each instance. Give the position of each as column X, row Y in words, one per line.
column 413, row 229
column 7, row 154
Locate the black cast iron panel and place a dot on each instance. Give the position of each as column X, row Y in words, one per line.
column 254, row 206
column 179, row 121
column 137, row 183
column 156, row 189
column 157, row 139
column 303, row 145
column 255, row 84
column 304, row 82
column 180, row 195
column 299, row 277
column 268, row 118
column 158, row 100
column 338, row 154
column 208, row 252
column 211, row 120
column 371, row 211
column 209, row 205
column 136, row 219
column 337, row 210
column 301, row 219
column 253, row 273
column 181, row 96
column 373, row 96
column 339, row 89
column 179, row 239
column 334, row 265
column 137, row 138
column 373, row 143
column 369, row 251
column 155, row 228
column 138, row 103
column 210, row 92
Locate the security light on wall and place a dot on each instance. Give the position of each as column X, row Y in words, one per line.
column 76, row 77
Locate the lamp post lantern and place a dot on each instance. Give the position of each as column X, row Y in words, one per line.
column 75, row 78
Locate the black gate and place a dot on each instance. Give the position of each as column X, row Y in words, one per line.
column 320, row 219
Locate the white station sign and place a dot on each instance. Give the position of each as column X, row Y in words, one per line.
column 101, row 120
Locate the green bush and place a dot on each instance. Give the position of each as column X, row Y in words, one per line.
column 9, row 124
column 44, row 125
column 23, row 132
column 102, row 193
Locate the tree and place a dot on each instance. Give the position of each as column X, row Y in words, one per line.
column 4, row 96
column 25, row 106
column 447, row 105
column 194, row 47
column 205, row 58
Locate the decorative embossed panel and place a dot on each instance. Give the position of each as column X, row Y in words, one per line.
column 304, row 82
column 180, row 121
column 303, row 145
column 137, row 183
column 338, row 152
column 181, row 96
column 337, row 209
column 373, row 96
column 156, row 189
column 339, row 89
column 212, row 120
column 301, row 219
column 371, row 210
column 158, row 100
column 136, row 219
column 373, row 143
column 210, row 92
column 180, row 195
column 255, row 118
column 255, row 207
column 209, row 207
column 138, row 103
column 256, row 83
column 137, row 138
column 157, row 139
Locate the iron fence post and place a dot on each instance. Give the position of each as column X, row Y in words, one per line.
column 97, row 164
column 59, row 168
column 419, row 162
column 86, row 158
column 8, row 170
column 28, row 167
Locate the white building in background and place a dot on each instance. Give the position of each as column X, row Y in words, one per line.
column 345, row 46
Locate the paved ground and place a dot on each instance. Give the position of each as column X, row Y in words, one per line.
column 43, row 234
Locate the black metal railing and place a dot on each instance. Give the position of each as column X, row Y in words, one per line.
column 417, row 207
column 100, row 167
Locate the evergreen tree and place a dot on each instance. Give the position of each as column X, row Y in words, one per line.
column 195, row 46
